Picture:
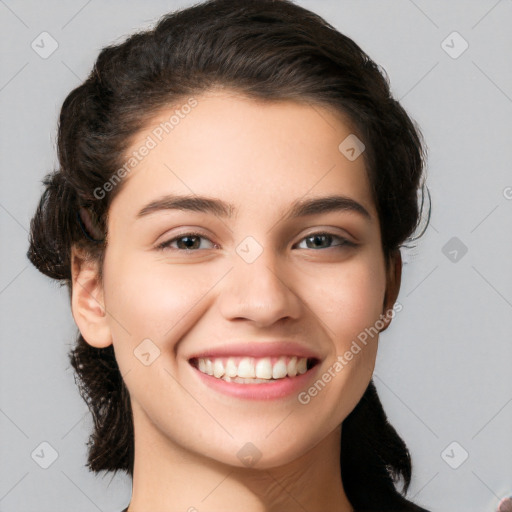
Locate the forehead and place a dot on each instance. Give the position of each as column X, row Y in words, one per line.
column 228, row 145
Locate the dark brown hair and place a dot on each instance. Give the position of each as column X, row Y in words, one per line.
column 267, row 50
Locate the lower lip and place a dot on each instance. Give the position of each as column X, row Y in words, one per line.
column 276, row 389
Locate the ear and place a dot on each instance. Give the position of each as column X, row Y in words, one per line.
column 393, row 281
column 87, row 303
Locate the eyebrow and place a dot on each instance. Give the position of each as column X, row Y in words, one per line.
column 299, row 208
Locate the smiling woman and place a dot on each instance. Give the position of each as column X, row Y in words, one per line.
column 233, row 192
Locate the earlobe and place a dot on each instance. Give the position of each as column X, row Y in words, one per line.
column 87, row 302
column 393, row 281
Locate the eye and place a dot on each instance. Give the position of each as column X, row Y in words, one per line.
column 190, row 242
column 322, row 240
column 185, row 242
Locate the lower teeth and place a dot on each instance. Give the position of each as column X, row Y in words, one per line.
column 241, row 380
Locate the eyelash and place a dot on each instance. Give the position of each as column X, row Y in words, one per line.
column 166, row 245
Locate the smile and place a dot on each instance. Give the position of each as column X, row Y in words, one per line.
column 253, row 370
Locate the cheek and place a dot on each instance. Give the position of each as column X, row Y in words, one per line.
column 349, row 299
column 151, row 299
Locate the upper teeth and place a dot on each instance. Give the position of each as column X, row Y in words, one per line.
column 250, row 367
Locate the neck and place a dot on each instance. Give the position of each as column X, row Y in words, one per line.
column 169, row 478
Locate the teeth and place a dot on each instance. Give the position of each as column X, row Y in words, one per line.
column 253, row 370
column 239, row 380
column 218, row 368
column 279, row 370
column 231, row 368
column 302, row 366
column 246, row 368
column 292, row 367
column 264, row 368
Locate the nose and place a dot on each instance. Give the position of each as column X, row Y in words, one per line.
column 260, row 291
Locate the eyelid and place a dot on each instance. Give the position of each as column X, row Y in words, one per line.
column 191, row 232
column 332, row 231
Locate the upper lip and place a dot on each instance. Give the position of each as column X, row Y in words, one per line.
column 258, row 349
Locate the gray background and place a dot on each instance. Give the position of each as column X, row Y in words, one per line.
column 444, row 367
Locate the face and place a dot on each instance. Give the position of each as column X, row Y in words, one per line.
column 246, row 285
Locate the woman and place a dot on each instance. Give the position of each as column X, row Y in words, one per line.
column 233, row 192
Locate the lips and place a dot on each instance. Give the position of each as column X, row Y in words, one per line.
column 258, row 349
column 255, row 363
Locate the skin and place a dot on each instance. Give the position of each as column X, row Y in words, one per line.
column 261, row 157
